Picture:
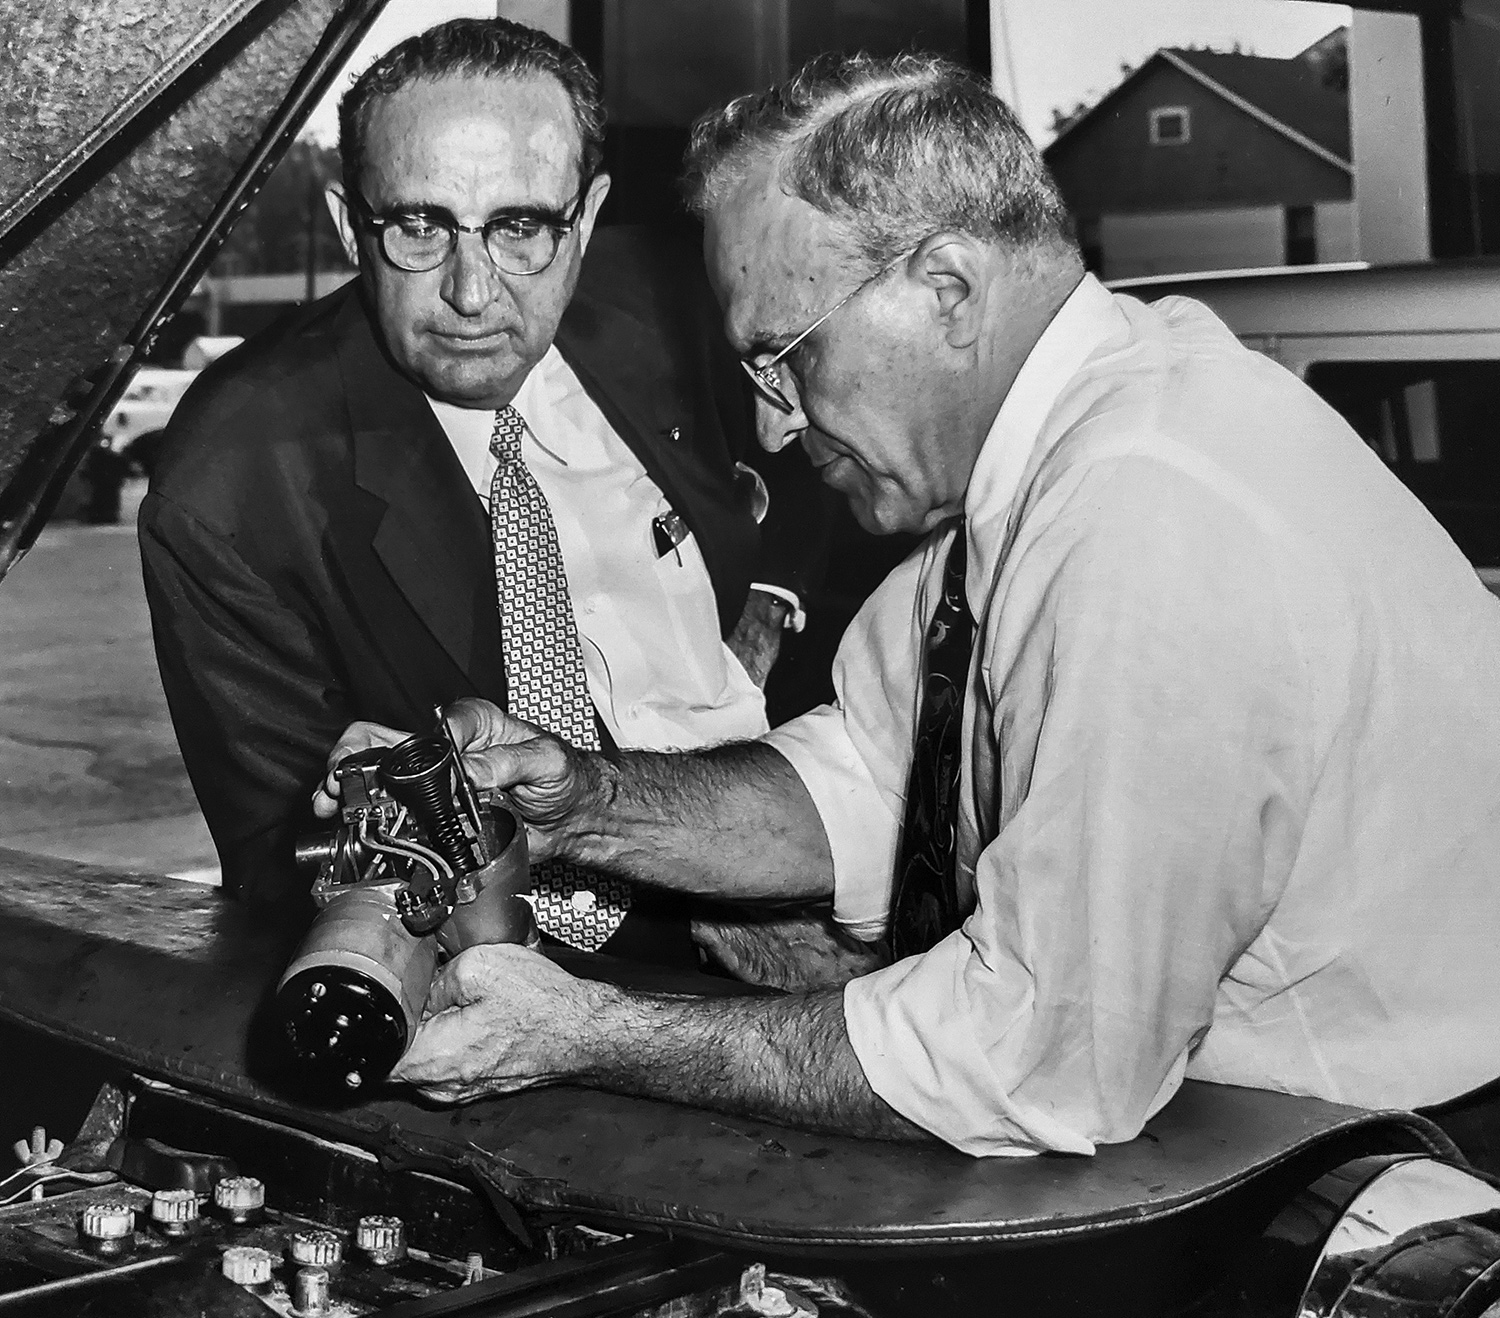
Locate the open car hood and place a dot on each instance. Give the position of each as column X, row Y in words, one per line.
column 135, row 133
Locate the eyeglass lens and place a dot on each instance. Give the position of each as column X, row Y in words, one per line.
column 762, row 377
column 418, row 243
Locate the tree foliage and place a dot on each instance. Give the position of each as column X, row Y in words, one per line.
column 287, row 217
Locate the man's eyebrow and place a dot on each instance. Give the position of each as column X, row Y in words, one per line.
column 517, row 212
column 529, row 212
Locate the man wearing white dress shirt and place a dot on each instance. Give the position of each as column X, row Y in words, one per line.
column 1174, row 752
column 329, row 534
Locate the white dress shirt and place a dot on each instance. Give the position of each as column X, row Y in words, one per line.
column 658, row 671
column 1230, row 793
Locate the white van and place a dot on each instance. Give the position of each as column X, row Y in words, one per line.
column 1409, row 354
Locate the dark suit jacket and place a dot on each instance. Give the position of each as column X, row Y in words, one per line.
column 314, row 553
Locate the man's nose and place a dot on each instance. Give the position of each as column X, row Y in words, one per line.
column 471, row 281
column 775, row 429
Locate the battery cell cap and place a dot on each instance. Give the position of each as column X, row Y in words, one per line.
column 320, row 1249
column 382, row 1238
column 174, row 1207
column 109, row 1220
column 239, row 1195
column 245, row 1265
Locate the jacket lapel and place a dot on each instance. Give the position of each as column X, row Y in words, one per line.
column 432, row 537
column 634, row 381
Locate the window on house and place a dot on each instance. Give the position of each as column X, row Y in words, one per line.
column 1301, row 235
column 1434, row 423
column 1170, row 125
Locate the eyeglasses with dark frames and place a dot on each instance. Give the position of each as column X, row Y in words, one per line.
column 767, row 377
column 421, row 239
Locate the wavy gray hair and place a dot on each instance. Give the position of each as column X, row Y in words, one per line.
column 892, row 149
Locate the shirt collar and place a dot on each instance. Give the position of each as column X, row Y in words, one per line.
column 1086, row 320
column 531, row 397
column 469, row 428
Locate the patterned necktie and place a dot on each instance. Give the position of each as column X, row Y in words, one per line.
column 545, row 679
column 926, row 906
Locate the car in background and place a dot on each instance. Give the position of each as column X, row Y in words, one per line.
column 126, row 445
column 1408, row 354
column 133, row 431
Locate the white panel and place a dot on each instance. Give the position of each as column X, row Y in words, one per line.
column 1002, row 56
column 1336, row 224
column 1171, row 242
column 1422, row 417
column 1389, row 123
column 238, row 290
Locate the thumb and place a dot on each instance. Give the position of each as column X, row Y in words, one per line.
column 451, row 987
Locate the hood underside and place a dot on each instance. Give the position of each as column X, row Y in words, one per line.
column 134, row 133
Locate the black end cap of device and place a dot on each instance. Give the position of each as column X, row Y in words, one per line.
column 342, row 1031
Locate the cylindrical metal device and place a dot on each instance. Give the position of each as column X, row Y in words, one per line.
column 352, row 997
column 490, row 908
column 310, row 1292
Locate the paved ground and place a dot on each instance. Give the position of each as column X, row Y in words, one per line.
column 89, row 768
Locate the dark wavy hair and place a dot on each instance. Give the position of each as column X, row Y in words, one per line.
column 473, row 48
column 893, row 149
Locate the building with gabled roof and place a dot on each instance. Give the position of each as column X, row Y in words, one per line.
column 1205, row 160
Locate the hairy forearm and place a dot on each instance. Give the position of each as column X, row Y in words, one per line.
column 731, row 821
column 796, row 951
column 783, row 1059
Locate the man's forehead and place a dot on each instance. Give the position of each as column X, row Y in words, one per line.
column 458, row 130
column 772, row 256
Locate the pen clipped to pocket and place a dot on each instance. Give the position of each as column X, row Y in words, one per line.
column 667, row 532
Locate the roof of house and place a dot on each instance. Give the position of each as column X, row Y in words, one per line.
column 1290, row 90
column 1289, row 96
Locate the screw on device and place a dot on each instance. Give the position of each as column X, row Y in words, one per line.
column 38, row 1149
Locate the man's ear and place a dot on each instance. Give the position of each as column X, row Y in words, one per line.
column 598, row 191
column 953, row 268
column 343, row 220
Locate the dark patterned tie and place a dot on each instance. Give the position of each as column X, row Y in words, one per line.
column 545, row 679
column 925, row 909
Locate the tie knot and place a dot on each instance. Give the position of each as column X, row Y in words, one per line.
column 505, row 439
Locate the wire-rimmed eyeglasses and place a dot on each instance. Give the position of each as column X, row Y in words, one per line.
column 766, row 377
column 421, row 239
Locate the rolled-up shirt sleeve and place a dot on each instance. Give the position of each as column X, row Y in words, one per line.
column 1141, row 724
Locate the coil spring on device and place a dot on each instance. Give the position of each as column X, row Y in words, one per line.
column 418, row 773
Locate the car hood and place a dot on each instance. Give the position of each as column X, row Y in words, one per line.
column 135, row 132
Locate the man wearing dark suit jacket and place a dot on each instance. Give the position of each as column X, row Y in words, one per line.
column 316, row 542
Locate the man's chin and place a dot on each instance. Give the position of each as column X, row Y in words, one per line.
column 876, row 517
column 465, row 382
